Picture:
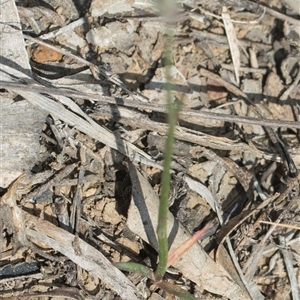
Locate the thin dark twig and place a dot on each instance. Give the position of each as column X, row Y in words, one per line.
column 148, row 106
column 76, row 211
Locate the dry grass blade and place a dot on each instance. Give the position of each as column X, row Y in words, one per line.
column 233, row 43
column 183, row 114
column 20, row 126
column 281, row 224
column 288, row 260
column 202, row 190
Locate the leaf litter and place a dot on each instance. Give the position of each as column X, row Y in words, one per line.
column 98, row 73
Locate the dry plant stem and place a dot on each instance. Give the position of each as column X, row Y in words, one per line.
column 39, row 251
column 188, row 244
column 282, row 225
column 80, row 120
column 254, row 63
column 288, row 260
column 233, row 43
column 21, row 279
column 234, row 21
column 217, row 39
column 230, row 87
column 152, row 107
column 251, row 265
column 238, row 268
column 63, row 30
column 267, row 10
column 137, row 120
column 280, row 16
column 279, row 145
column 65, row 293
column 245, row 69
column 76, row 208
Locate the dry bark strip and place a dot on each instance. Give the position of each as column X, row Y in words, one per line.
column 20, row 122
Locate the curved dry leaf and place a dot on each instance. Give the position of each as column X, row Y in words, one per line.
column 202, row 190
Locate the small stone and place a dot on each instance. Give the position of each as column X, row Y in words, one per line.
column 273, row 87
column 42, row 54
column 252, row 88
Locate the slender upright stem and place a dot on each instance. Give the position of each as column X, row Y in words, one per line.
column 173, row 109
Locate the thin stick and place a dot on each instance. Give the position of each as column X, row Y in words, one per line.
column 281, row 224
column 286, row 94
column 288, row 261
column 153, row 107
column 280, row 16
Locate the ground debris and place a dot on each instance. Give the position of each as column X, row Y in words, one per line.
column 91, row 197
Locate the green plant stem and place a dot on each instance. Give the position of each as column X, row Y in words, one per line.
column 173, row 109
column 135, row 268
